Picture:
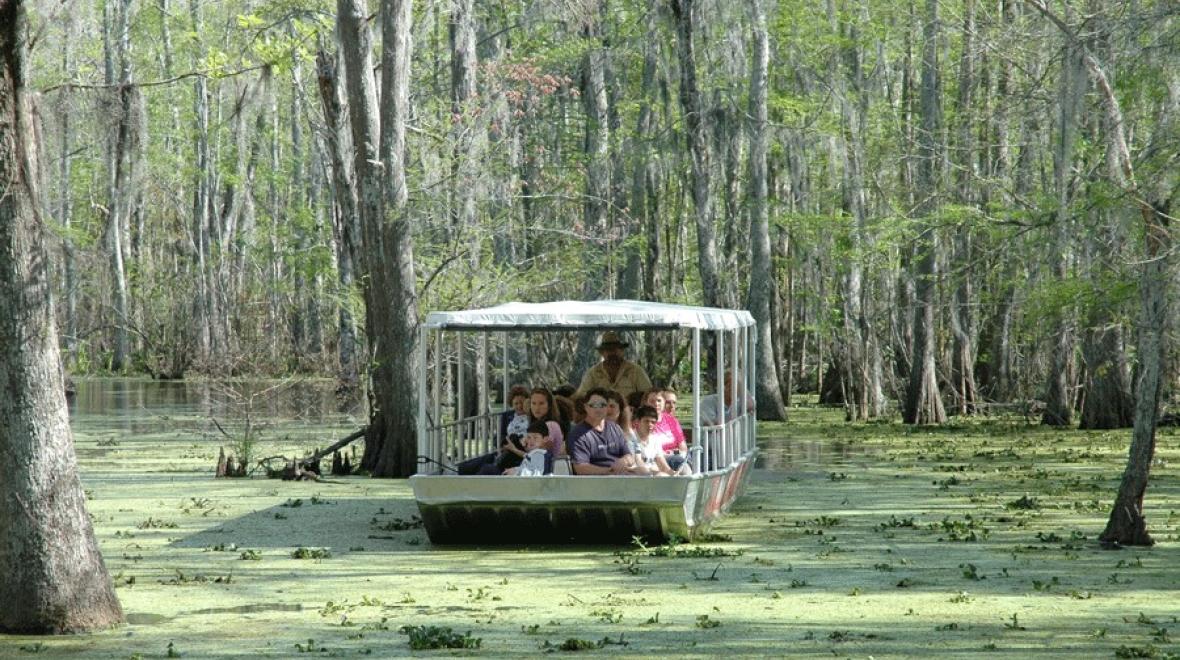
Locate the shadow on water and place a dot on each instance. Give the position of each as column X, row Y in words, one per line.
column 143, row 406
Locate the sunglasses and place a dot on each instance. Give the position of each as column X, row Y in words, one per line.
column 599, row 404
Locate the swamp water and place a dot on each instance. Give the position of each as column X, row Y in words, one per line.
column 852, row 540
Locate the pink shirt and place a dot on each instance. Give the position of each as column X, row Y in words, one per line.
column 668, row 432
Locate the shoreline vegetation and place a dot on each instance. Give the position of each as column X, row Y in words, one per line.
column 871, row 539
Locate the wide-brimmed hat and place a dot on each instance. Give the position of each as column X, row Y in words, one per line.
column 609, row 339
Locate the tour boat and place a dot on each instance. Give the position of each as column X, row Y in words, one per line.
column 562, row 508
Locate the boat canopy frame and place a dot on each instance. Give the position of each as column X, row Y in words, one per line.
column 442, row 445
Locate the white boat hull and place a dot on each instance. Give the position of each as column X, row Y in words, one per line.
column 579, row 509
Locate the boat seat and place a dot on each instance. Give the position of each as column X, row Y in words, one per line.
column 562, row 466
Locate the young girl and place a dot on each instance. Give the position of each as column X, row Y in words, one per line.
column 543, row 409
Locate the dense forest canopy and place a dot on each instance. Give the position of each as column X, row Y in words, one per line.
column 950, row 157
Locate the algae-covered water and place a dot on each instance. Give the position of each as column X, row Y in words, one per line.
column 852, row 541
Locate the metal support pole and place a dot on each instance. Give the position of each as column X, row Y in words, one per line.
column 483, row 386
column 721, row 392
column 697, row 438
column 736, row 380
column 505, row 365
column 423, row 449
column 460, row 399
column 437, row 430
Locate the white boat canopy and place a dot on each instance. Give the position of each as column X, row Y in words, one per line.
column 597, row 314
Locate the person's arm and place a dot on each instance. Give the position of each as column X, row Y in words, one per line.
column 557, row 438
column 662, row 466
column 590, row 469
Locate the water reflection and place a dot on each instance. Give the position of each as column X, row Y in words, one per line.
column 783, row 454
column 141, row 405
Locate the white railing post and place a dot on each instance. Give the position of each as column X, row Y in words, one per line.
column 697, row 436
column 423, row 439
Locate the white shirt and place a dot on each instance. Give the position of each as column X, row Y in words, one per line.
column 533, row 464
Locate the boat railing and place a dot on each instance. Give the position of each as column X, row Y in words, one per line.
column 723, row 444
column 453, row 442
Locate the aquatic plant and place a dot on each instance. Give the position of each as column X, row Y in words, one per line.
column 437, row 637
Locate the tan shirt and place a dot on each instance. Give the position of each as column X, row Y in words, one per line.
column 631, row 378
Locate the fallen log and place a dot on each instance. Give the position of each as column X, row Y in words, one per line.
column 315, row 458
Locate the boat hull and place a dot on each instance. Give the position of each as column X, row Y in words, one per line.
column 574, row 509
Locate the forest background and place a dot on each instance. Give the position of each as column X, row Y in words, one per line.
column 930, row 206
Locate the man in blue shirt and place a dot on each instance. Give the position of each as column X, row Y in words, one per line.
column 602, row 449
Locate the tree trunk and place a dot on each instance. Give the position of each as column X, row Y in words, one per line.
column 391, row 446
column 923, row 402
column 1108, row 403
column 54, row 577
column 122, row 151
column 769, row 397
column 697, row 138
column 1058, row 399
column 1127, row 524
column 346, row 216
column 65, row 207
column 964, row 329
column 202, row 205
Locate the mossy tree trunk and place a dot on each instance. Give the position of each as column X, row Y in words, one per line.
column 54, row 577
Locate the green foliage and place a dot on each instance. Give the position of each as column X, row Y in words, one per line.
column 437, row 637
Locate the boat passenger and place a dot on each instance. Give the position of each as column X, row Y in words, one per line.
column 614, row 372
column 515, row 420
column 711, row 403
column 538, row 458
column 542, row 408
column 601, row 449
column 650, row 448
column 667, row 431
column 670, row 401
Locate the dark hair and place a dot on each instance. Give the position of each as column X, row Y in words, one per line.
column 646, row 412
column 566, row 408
column 635, row 399
column 612, row 395
column 565, row 390
column 539, row 427
column 551, row 414
column 599, row 391
column 517, row 390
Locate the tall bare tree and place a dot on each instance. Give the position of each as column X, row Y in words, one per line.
column 55, row 579
column 684, row 14
column 923, row 403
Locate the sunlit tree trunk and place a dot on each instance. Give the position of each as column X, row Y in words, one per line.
column 54, row 577
column 346, row 214
column 769, row 397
